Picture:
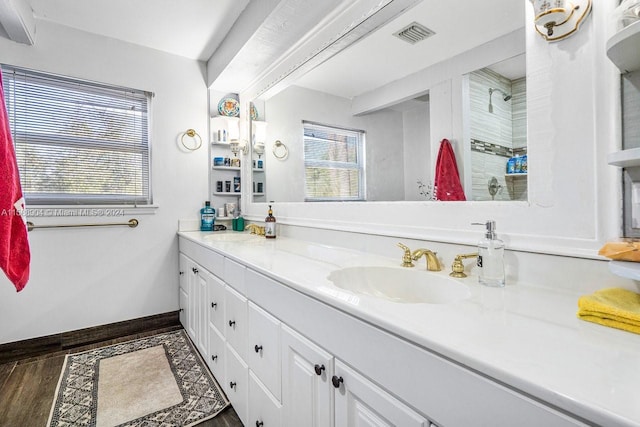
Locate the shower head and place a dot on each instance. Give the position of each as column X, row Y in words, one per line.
column 505, row 97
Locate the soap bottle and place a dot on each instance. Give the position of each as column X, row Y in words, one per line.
column 207, row 217
column 491, row 257
column 270, row 225
column 511, row 165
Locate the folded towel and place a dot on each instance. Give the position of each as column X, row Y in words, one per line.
column 622, row 251
column 614, row 307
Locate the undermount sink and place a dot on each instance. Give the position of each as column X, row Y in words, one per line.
column 231, row 237
column 402, row 285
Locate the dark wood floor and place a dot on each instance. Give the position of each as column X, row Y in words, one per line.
column 27, row 387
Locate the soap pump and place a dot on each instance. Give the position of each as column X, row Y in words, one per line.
column 270, row 225
column 491, row 257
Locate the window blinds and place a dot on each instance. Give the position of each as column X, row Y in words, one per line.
column 334, row 163
column 78, row 142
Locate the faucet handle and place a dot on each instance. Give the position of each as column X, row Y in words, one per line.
column 457, row 268
column 406, row 258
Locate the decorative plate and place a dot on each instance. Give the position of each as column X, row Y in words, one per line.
column 253, row 112
column 229, row 107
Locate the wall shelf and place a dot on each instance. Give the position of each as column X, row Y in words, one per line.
column 622, row 48
column 258, row 170
column 625, row 158
column 515, row 175
column 227, row 194
column 226, row 168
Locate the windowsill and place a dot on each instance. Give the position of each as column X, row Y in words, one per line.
column 103, row 211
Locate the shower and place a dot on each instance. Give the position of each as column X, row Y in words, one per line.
column 505, row 97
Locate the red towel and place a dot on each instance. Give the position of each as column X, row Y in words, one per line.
column 14, row 245
column 447, row 184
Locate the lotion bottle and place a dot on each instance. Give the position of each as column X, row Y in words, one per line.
column 270, row 225
column 491, row 257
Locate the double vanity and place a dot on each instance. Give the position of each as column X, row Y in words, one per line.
column 299, row 333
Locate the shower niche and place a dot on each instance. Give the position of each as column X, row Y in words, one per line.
column 495, row 127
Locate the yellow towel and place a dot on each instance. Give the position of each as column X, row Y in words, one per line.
column 614, row 307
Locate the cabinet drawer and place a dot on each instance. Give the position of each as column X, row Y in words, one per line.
column 360, row 402
column 236, row 385
column 215, row 305
column 264, row 348
column 216, row 355
column 234, row 275
column 265, row 410
column 236, row 324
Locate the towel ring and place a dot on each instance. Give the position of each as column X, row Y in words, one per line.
column 191, row 133
column 280, row 151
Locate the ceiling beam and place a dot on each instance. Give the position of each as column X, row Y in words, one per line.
column 16, row 17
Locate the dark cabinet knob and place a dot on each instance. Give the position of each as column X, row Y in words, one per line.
column 214, row 304
column 232, row 384
column 181, row 273
column 336, row 381
column 181, row 310
column 232, row 323
column 259, row 423
column 214, row 357
column 195, row 270
column 257, row 348
column 318, row 369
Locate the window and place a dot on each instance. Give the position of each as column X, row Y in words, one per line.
column 78, row 142
column 334, row 163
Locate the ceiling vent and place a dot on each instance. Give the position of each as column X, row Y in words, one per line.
column 414, row 32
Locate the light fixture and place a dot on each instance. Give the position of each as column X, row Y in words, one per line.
column 558, row 19
column 235, row 144
column 259, row 137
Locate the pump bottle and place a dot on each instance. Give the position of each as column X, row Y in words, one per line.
column 491, row 257
column 270, row 225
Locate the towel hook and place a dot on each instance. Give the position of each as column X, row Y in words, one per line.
column 191, row 133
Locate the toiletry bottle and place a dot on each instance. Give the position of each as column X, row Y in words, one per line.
column 270, row 225
column 511, row 165
column 524, row 166
column 518, row 165
column 491, row 257
column 207, row 217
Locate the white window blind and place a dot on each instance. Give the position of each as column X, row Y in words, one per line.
column 334, row 163
column 78, row 142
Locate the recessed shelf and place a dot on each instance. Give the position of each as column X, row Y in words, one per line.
column 625, row 158
column 226, row 168
column 628, row 269
column 258, row 170
column 227, row 193
column 514, row 175
column 622, row 48
column 258, row 194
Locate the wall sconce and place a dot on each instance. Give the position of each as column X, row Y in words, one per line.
column 235, row 144
column 558, row 19
column 259, row 137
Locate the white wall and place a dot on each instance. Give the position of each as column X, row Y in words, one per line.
column 417, row 151
column 92, row 276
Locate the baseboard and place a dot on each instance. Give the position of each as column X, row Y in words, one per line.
column 36, row 347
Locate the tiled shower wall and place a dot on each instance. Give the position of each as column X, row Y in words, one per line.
column 498, row 135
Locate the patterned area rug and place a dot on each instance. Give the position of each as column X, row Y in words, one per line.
column 154, row 381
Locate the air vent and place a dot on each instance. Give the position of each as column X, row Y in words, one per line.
column 414, row 32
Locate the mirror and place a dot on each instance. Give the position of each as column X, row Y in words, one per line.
column 403, row 99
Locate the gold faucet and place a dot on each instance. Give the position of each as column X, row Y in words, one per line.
column 406, row 258
column 255, row 229
column 457, row 268
column 432, row 260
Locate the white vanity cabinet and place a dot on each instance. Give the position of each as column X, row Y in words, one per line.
column 285, row 358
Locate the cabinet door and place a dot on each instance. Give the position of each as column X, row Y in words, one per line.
column 359, row 402
column 235, row 311
column 183, row 270
column 216, row 355
column 184, row 307
column 216, row 304
column 192, row 312
column 264, row 348
column 264, row 408
column 201, row 327
column 236, row 385
column 306, row 382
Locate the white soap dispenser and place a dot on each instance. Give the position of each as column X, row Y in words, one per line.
column 491, row 257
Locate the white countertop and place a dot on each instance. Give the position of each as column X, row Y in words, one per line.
column 525, row 336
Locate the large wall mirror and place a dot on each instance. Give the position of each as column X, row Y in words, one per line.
column 366, row 124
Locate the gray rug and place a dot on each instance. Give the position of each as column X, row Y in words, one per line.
column 154, row 381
